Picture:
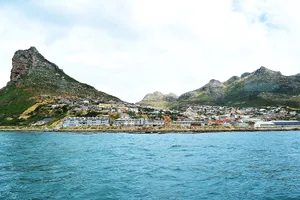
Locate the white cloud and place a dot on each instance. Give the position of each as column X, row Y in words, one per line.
column 131, row 47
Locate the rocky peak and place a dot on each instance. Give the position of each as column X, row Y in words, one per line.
column 158, row 96
column 33, row 50
column 214, row 81
column 231, row 80
column 213, row 84
column 154, row 95
column 263, row 71
column 24, row 61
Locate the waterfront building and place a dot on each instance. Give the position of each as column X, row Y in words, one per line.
column 86, row 121
column 154, row 122
column 277, row 124
column 129, row 122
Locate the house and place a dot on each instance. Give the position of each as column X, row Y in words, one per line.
column 86, row 102
column 103, row 105
column 133, row 109
column 55, row 106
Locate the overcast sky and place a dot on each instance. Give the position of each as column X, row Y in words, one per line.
column 132, row 47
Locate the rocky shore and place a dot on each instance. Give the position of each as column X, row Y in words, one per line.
column 137, row 130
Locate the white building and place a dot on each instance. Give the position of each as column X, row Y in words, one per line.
column 154, row 122
column 137, row 122
column 129, row 122
column 277, row 124
column 86, row 121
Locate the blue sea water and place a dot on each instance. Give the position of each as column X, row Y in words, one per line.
column 246, row 165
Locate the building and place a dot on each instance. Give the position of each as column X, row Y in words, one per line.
column 129, row 122
column 154, row 122
column 86, row 121
column 104, row 105
column 126, row 121
column 277, row 124
column 183, row 123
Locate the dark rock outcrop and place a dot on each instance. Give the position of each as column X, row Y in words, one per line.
column 245, row 74
column 25, row 60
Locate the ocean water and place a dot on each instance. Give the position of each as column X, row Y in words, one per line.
column 246, row 165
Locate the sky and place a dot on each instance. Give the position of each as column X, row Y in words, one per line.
column 129, row 48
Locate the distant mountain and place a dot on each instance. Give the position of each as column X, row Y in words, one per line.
column 32, row 76
column 158, row 99
column 245, row 74
column 262, row 87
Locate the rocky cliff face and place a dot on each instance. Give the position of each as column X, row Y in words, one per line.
column 158, row 96
column 25, row 61
column 158, row 99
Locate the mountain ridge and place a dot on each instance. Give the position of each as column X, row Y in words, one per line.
column 259, row 88
column 33, row 76
column 262, row 87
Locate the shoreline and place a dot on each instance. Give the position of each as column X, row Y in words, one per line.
column 149, row 131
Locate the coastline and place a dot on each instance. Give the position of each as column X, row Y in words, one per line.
column 136, row 130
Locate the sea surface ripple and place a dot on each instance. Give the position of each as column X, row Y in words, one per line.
column 240, row 165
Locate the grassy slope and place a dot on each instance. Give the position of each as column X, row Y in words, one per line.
column 16, row 101
column 13, row 102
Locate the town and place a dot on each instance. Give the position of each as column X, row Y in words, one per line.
column 85, row 113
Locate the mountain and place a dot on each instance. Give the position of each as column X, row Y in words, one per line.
column 262, row 87
column 33, row 76
column 158, row 99
column 245, row 74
